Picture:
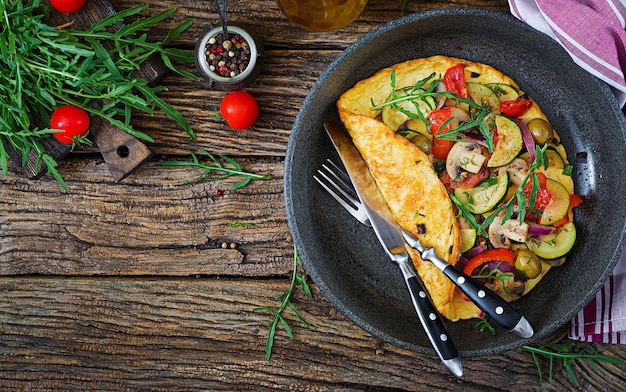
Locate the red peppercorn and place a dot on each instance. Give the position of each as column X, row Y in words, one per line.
column 220, row 49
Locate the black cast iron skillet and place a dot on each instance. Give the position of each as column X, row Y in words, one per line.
column 344, row 258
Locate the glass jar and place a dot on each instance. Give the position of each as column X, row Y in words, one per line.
column 230, row 65
column 321, row 15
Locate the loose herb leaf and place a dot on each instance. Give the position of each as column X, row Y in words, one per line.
column 286, row 303
column 237, row 224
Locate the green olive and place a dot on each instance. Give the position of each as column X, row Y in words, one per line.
column 541, row 130
column 528, row 263
column 421, row 142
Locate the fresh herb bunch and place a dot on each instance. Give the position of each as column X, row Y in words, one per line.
column 234, row 169
column 43, row 67
column 285, row 302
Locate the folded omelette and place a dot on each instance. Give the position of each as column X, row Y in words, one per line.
column 406, row 177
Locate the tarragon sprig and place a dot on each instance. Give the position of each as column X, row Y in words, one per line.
column 563, row 351
column 285, row 303
column 218, row 167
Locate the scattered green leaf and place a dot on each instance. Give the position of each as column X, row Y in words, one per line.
column 238, row 224
column 484, row 324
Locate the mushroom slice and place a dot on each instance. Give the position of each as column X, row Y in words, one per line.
column 518, row 168
column 501, row 234
column 464, row 156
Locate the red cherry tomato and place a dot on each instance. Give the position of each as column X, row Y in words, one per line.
column 454, row 79
column 239, row 109
column 67, row 6
column 72, row 120
column 515, row 107
column 542, row 198
column 437, row 118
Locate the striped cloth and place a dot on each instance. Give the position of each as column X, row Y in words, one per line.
column 592, row 31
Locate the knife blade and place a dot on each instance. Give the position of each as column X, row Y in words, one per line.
column 390, row 237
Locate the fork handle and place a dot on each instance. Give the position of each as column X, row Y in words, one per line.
column 491, row 303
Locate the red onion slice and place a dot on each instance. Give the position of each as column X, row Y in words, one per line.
column 527, row 137
column 537, row 230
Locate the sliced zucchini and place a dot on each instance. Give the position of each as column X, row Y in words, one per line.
column 484, row 96
column 509, row 143
column 485, row 196
column 555, row 245
column 397, row 114
column 557, row 175
column 554, row 158
column 468, row 239
column 559, row 204
column 504, row 92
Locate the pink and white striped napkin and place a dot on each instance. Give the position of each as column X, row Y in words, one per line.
column 592, row 31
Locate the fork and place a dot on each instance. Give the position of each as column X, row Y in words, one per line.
column 490, row 303
column 338, row 184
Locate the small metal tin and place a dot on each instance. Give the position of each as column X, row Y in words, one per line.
column 239, row 81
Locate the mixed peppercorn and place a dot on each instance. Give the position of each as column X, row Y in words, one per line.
column 227, row 58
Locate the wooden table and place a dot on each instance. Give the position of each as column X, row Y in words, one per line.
column 135, row 285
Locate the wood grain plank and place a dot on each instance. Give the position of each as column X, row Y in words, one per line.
column 202, row 334
column 277, row 32
column 159, row 222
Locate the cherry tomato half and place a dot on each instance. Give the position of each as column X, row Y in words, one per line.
column 437, row 119
column 239, row 109
column 67, row 6
column 515, row 107
column 72, row 120
column 454, row 79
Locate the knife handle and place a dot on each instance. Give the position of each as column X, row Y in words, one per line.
column 491, row 303
column 431, row 321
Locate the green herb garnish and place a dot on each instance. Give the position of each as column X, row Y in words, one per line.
column 233, row 170
column 285, row 303
column 518, row 200
column 484, row 324
column 422, row 92
column 43, row 67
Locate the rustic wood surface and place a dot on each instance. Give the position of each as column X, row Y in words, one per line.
column 135, row 286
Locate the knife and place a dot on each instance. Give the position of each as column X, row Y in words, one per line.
column 489, row 302
column 392, row 240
